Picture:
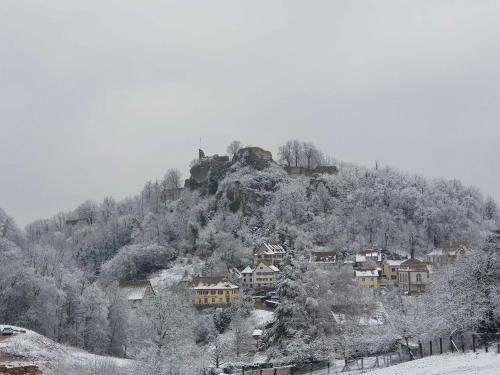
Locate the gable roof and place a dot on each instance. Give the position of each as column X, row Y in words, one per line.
column 271, row 267
column 270, row 249
column 413, row 265
column 367, row 273
column 211, row 282
column 247, row 269
column 135, row 290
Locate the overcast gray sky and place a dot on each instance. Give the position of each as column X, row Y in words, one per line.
column 96, row 97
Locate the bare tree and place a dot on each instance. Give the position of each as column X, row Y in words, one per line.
column 285, row 153
column 297, row 152
column 313, row 156
column 173, row 178
column 233, row 148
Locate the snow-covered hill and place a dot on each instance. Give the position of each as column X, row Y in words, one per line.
column 53, row 358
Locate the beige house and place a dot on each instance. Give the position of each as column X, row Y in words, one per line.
column 213, row 291
column 269, row 254
column 261, row 276
column 367, row 278
column 390, row 271
column 413, row 276
column 137, row 292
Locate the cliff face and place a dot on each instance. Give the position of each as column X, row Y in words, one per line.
column 206, row 174
column 209, row 171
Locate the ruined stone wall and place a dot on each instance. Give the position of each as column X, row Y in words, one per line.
column 19, row 370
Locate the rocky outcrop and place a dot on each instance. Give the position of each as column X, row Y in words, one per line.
column 255, row 157
column 207, row 172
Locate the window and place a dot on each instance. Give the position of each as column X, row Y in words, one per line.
column 213, row 300
column 393, row 269
column 220, row 292
column 362, row 279
column 212, row 292
column 206, row 300
column 419, row 278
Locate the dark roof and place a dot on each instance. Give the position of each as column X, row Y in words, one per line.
column 324, row 256
column 413, row 265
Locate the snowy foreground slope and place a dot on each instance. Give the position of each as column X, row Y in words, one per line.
column 452, row 364
column 54, row 358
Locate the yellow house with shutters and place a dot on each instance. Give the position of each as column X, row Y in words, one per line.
column 390, row 271
column 213, row 291
column 367, row 278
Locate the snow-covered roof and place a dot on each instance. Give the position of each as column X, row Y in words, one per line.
column 212, row 283
column 257, row 332
column 263, row 265
column 247, row 269
column 413, row 265
column 271, row 249
column 367, row 273
column 134, row 290
column 365, row 255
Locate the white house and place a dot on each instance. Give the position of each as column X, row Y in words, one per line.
column 261, row 276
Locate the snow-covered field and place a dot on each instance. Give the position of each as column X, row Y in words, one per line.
column 54, row 358
column 469, row 363
column 446, row 364
column 259, row 318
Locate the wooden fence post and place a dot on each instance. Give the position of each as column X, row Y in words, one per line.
column 498, row 344
column 474, row 343
column 462, row 343
column 420, row 349
column 486, row 346
column 440, row 345
column 451, row 344
column 430, row 347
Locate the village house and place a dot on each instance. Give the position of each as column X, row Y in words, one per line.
column 366, row 259
column 367, row 278
column 213, row 291
column 261, row 276
column 390, row 271
column 413, row 276
column 446, row 253
column 137, row 292
column 269, row 253
column 323, row 259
